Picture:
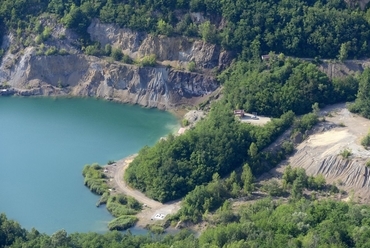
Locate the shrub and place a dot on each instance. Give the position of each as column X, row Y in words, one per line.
column 149, row 60
column 191, row 66
column 127, row 59
column 155, row 229
column 122, row 222
column 273, row 188
column 366, row 141
column 51, row 51
column 120, row 204
column 63, row 52
column 368, row 163
column 116, row 54
column 345, row 153
column 185, row 122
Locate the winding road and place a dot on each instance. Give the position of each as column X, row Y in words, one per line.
column 124, row 188
column 151, row 208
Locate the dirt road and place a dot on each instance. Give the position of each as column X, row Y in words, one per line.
column 152, row 210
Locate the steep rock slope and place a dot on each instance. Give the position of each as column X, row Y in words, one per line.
column 320, row 152
column 177, row 51
column 81, row 75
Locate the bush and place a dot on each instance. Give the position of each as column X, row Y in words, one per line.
column 185, row 122
column 366, row 141
column 51, row 51
column 155, row 229
column 345, row 153
column 120, row 204
column 149, row 60
column 273, row 188
column 191, row 66
column 116, row 54
column 122, row 222
column 127, row 59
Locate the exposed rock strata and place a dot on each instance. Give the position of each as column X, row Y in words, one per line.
column 80, row 75
column 179, row 50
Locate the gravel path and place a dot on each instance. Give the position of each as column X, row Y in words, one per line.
column 153, row 210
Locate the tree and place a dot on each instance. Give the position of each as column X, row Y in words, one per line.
column 247, row 179
column 362, row 102
column 343, row 52
column 253, row 150
column 208, row 31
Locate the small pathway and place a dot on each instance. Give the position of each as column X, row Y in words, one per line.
column 152, row 208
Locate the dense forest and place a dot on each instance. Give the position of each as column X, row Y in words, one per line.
column 266, row 223
column 305, row 28
column 219, row 158
column 221, row 143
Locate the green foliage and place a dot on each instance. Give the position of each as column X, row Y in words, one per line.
column 287, row 84
column 191, row 66
column 365, row 141
column 95, row 179
column 265, row 223
column 122, row 222
column 149, row 60
column 127, row 59
column 117, row 54
column 304, row 29
column 247, row 177
column 164, row 28
column 306, row 122
column 51, row 51
column 367, row 163
column 362, row 103
column 208, row 32
column 156, row 229
column 120, row 204
column 346, row 153
column 273, row 188
column 185, row 122
column 297, row 180
column 93, row 50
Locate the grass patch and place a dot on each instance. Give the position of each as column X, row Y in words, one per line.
column 122, row 222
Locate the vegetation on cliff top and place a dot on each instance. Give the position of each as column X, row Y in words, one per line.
column 302, row 28
column 193, row 163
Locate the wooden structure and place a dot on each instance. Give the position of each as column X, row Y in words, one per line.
column 239, row 112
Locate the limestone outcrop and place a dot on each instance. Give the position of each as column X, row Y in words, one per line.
column 81, row 75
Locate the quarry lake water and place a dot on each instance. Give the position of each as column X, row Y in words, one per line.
column 44, row 144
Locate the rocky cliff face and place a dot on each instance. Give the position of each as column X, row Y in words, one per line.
column 80, row 75
column 177, row 51
column 164, row 86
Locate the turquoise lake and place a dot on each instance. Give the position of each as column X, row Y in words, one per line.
column 44, row 144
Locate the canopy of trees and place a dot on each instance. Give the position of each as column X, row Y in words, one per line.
column 219, row 144
column 265, row 223
column 301, row 28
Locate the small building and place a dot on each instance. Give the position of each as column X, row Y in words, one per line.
column 265, row 57
column 239, row 112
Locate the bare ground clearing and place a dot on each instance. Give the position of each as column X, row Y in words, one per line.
column 319, row 153
column 255, row 120
column 152, row 210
